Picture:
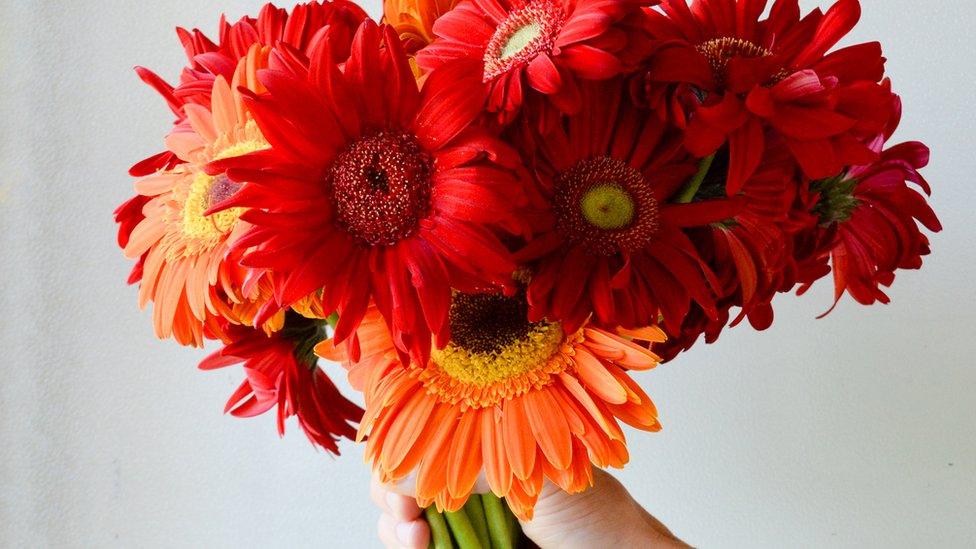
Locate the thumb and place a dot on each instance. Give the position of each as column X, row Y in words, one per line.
column 604, row 516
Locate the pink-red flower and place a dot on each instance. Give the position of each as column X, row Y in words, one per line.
column 870, row 218
column 375, row 191
column 282, row 372
column 744, row 77
column 519, row 47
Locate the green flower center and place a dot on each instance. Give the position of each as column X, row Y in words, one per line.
column 608, row 206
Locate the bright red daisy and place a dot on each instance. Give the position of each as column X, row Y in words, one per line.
column 745, row 77
column 282, row 372
column 375, row 191
column 545, row 45
column 870, row 219
column 615, row 246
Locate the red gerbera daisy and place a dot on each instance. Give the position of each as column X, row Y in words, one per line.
column 747, row 76
column 545, row 44
column 615, row 246
column 870, row 221
column 282, row 371
column 375, row 191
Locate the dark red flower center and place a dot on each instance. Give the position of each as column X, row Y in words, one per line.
column 381, row 187
column 221, row 189
column 720, row 51
column 526, row 32
column 605, row 205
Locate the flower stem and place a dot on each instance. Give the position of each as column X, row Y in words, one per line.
column 476, row 512
column 440, row 535
column 689, row 191
column 502, row 537
column 462, row 529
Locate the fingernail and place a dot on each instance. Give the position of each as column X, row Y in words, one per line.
column 404, row 532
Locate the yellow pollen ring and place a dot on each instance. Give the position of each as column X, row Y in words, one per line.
column 482, row 379
column 520, row 39
column 608, row 206
column 210, row 228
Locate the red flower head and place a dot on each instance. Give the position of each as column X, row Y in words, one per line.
column 282, row 371
column 870, row 219
column 545, row 44
column 745, row 77
column 615, row 246
column 375, row 191
column 751, row 252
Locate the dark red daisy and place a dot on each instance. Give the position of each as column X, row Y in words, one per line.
column 870, row 219
column 744, row 77
column 615, row 245
column 546, row 45
column 373, row 190
column 282, row 372
column 751, row 253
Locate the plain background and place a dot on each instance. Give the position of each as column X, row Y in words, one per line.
column 854, row 431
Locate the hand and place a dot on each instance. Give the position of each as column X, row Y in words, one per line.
column 603, row 516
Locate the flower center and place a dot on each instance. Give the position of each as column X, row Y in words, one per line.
column 205, row 192
column 837, row 201
column 527, row 32
column 495, row 353
column 606, row 206
column 381, row 187
column 720, row 51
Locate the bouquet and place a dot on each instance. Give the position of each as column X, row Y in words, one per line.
column 494, row 213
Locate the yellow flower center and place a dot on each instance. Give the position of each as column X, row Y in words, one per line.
column 202, row 232
column 495, row 353
column 517, row 357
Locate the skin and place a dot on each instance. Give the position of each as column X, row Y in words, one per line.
column 603, row 516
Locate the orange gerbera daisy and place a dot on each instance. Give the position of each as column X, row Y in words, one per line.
column 520, row 401
column 187, row 273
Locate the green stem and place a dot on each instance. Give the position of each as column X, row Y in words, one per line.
column 333, row 320
column 691, row 188
column 440, row 535
column 498, row 526
column 476, row 512
column 462, row 529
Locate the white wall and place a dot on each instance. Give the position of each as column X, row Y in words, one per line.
column 854, row 431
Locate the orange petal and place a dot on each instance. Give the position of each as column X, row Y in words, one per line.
column 519, row 444
column 414, row 415
column 549, row 427
column 465, row 451
column 596, row 378
column 606, row 424
column 634, row 357
column 497, row 470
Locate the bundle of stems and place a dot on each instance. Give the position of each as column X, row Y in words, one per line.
column 485, row 522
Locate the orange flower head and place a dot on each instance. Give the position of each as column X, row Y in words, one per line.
column 187, row 271
column 413, row 21
column 519, row 401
